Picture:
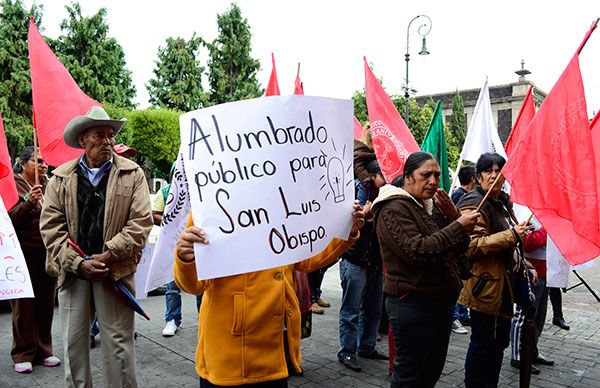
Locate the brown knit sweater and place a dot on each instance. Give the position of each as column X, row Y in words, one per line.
column 419, row 245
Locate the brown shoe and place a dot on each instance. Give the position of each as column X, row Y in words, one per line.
column 323, row 303
column 316, row 309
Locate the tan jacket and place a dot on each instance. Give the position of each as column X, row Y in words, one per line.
column 242, row 317
column 486, row 252
column 127, row 219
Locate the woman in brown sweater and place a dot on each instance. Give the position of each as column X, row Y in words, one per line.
column 32, row 317
column 421, row 234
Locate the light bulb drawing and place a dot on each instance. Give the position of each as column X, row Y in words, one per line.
column 335, row 178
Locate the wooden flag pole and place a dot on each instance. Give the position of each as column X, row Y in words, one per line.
column 298, row 71
column 488, row 193
column 35, row 156
column 529, row 219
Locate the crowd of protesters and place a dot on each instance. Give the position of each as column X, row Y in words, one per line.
column 429, row 262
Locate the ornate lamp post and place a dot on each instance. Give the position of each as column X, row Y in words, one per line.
column 423, row 31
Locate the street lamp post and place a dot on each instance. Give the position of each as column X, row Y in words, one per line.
column 423, row 31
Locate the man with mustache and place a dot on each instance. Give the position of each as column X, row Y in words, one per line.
column 101, row 201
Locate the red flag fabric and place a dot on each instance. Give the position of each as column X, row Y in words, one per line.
column 298, row 85
column 273, row 86
column 8, row 188
column 392, row 140
column 523, row 120
column 595, row 129
column 550, row 169
column 358, row 130
column 56, row 100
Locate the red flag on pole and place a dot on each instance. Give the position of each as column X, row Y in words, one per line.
column 56, row 100
column 392, row 140
column 358, row 130
column 273, row 86
column 8, row 188
column 298, row 86
column 595, row 128
column 550, row 169
column 523, row 120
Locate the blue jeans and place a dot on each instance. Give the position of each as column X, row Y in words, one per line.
column 489, row 337
column 421, row 327
column 173, row 302
column 362, row 292
column 461, row 312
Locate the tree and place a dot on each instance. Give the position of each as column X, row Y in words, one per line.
column 458, row 122
column 15, row 82
column 155, row 135
column 96, row 61
column 360, row 106
column 177, row 82
column 232, row 70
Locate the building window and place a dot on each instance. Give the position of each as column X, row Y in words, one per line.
column 504, row 124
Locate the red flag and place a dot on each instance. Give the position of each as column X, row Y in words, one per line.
column 523, row 120
column 273, row 86
column 392, row 140
column 298, row 85
column 550, row 169
column 358, row 130
column 595, row 128
column 8, row 188
column 56, row 100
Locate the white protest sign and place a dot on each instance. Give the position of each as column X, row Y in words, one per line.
column 143, row 267
column 15, row 282
column 175, row 215
column 270, row 180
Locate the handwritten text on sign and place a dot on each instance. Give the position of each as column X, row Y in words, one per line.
column 270, row 180
column 14, row 276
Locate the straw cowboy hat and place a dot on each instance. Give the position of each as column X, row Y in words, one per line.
column 95, row 117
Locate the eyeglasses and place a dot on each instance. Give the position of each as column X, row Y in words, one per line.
column 39, row 161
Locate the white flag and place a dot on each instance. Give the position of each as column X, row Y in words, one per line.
column 177, row 209
column 482, row 135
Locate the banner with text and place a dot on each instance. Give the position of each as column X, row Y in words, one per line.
column 270, row 180
column 15, row 282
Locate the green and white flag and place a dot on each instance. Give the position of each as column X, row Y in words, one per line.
column 435, row 144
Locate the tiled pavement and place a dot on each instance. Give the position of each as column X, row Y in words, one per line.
column 168, row 362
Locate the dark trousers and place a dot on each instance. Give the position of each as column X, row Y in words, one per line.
column 315, row 279
column 32, row 317
column 556, row 300
column 282, row 383
column 490, row 335
column 421, row 328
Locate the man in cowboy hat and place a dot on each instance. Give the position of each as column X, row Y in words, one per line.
column 101, row 202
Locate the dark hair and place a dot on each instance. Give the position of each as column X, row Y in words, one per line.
column 486, row 161
column 373, row 167
column 414, row 161
column 26, row 154
column 465, row 174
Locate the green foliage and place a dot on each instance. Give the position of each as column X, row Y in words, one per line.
column 15, row 84
column 125, row 135
column 232, row 70
column 458, row 123
column 177, row 82
column 96, row 61
column 360, row 106
column 155, row 135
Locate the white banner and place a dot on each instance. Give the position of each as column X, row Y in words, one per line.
column 143, row 267
column 177, row 209
column 15, row 282
column 271, row 180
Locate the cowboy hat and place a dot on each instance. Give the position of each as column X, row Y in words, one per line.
column 95, row 117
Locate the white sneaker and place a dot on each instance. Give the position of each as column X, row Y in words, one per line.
column 457, row 327
column 170, row 329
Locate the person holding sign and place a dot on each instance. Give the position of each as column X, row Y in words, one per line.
column 490, row 292
column 32, row 317
column 101, row 202
column 421, row 235
column 241, row 338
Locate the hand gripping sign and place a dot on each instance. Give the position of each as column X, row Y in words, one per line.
column 270, row 180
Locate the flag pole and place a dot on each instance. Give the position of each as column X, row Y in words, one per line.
column 587, row 36
column 298, row 71
column 35, row 156
column 488, row 193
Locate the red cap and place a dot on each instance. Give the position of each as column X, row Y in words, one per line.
column 123, row 150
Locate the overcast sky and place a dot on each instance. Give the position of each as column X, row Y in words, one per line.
column 469, row 40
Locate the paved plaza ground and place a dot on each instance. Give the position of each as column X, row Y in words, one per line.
column 168, row 362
